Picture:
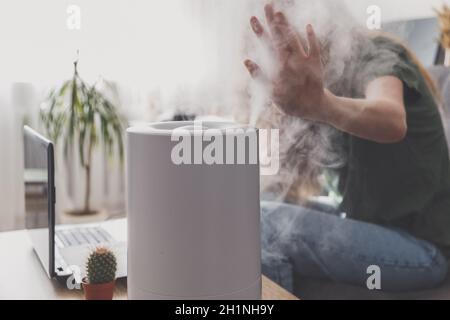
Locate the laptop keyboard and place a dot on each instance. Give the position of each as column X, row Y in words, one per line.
column 81, row 236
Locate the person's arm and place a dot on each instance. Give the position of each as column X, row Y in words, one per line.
column 298, row 86
column 380, row 117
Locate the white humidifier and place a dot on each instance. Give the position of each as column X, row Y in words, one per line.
column 193, row 211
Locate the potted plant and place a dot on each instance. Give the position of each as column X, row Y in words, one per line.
column 80, row 114
column 101, row 269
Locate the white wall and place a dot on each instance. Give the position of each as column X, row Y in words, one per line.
column 396, row 9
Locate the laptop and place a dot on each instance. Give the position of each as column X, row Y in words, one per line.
column 62, row 249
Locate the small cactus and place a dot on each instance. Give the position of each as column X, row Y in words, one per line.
column 101, row 266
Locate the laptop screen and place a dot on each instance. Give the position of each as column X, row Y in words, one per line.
column 39, row 195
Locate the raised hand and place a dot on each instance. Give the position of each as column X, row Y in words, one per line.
column 297, row 83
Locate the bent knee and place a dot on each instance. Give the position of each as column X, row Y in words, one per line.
column 417, row 278
column 439, row 270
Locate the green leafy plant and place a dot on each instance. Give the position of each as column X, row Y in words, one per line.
column 79, row 113
column 101, row 266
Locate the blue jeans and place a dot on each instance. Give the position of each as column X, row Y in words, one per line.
column 302, row 242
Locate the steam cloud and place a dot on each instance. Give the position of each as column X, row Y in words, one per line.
column 350, row 58
column 305, row 147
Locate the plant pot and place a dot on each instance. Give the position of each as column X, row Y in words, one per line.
column 101, row 291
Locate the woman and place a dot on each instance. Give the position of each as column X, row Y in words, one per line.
column 396, row 184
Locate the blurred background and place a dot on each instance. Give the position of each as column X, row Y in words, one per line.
column 161, row 55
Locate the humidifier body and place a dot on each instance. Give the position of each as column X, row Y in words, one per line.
column 193, row 226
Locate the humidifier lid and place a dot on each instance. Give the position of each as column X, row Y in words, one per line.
column 192, row 127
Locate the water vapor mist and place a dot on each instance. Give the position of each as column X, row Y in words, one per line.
column 306, row 147
column 350, row 58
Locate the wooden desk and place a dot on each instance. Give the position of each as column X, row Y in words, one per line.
column 22, row 276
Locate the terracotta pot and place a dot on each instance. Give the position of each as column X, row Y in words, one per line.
column 102, row 291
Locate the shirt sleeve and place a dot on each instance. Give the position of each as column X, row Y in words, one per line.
column 386, row 57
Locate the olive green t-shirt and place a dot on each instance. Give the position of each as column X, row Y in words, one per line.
column 407, row 184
